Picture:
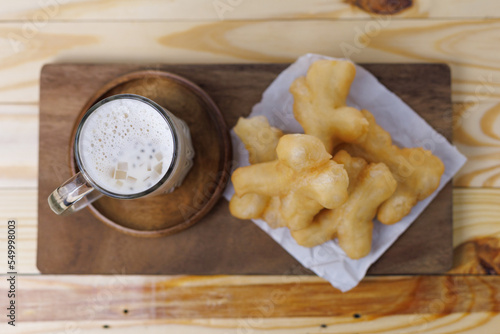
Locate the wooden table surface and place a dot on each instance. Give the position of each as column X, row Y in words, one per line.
column 464, row 34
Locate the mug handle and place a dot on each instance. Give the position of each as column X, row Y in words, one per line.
column 73, row 195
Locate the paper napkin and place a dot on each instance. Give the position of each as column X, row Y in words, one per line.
column 407, row 129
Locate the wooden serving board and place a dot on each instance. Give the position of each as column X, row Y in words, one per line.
column 219, row 243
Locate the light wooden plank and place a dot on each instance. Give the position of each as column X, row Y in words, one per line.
column 476, row 214
column 21, row 205
column 464, row 323
column 468, row 46
column 232, row 9
column 19, row 146
column 477, row 135
column 476, row 231
column 104, row 298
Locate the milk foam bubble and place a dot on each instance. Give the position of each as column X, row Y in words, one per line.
column 126, row 146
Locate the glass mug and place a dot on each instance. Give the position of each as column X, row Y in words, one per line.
column 126, row 147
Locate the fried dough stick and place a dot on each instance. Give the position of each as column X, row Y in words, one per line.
column 417, row 171
column 260, row 139
column 320, row 103
column 352, row 222
column 304, row 177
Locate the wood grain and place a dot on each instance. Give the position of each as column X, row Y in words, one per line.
column 21, row 205
column 478, row 256
column 112, row 10
column 477, row 134
column 18, row 152
column 465, row 45
column 204, row 297
column 476, row 231
column 459, row 322
column 476, row 214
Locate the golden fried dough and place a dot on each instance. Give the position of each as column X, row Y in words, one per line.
column 323, row 228
column 352, row 222
column 249, row 206
column 417, row 171
column 375, row 185
column 260, row 140
column 293, row 181
column 352, row 165
column 320, row 103
column 272, row 213
column 259, row 137
column 304, row 178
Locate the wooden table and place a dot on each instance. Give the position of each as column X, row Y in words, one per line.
column 463, row 34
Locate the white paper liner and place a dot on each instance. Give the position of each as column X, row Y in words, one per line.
column 407, row 129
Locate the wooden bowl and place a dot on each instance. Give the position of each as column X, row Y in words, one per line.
column 170, row 213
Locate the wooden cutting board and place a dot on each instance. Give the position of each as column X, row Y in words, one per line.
column 219, row 243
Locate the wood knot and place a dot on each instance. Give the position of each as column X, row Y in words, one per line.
column 384, row 7
column 477, row 256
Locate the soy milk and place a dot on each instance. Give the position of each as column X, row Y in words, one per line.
column 126, row 146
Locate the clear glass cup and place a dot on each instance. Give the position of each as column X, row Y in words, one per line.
column 88, row 184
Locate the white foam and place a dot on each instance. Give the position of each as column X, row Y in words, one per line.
column 126, row 146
